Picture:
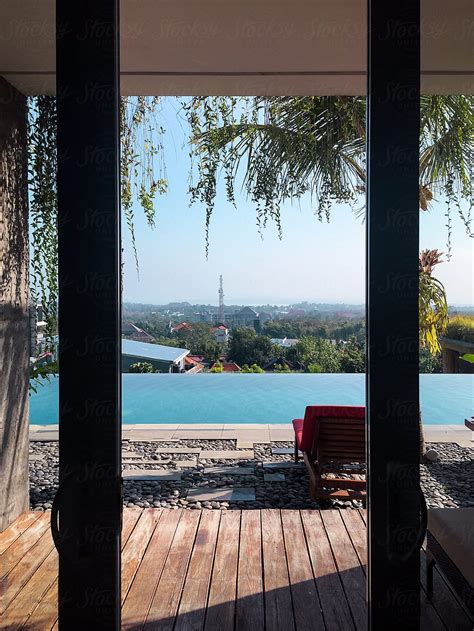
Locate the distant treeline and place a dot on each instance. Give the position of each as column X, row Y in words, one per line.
column 314, row 327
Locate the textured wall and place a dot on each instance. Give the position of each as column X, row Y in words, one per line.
column 14, row 326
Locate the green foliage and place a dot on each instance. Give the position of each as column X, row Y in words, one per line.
column 254, row 368
column 281, row 148
column 142, row 168
column 281, row 368
column 246, row 347
column 141, row 367
column 321, row 355
column 200, row 341
column 40, row 374
column 433, row 305
column 142, row 177
column 315, row 326
column 468, row 357
column 352, row 356
column 461, row 328
column 42, row 167
column 218, row 367
column 430, row 363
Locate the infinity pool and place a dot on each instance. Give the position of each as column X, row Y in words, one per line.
column 247, row 398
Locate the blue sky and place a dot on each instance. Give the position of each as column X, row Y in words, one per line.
column 320, row 262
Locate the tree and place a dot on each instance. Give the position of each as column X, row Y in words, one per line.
column 285, row 147
column 253, row 368
column 246, row 347
column 321, row 355
column 200, row 341
column 430, row 363
column 352, row 356
column 433, row 303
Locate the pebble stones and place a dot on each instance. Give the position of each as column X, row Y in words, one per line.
column 446, row 482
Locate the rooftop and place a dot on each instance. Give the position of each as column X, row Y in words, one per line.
column 157, row 352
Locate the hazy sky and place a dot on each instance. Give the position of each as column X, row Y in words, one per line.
column 317, row 262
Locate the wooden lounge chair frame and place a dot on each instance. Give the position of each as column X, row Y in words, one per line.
column 338, row 449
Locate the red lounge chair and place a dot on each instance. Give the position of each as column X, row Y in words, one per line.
column 332, row 439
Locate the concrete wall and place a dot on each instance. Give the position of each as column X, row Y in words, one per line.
column 14, row 322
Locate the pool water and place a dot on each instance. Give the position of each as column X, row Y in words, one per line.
column 257, row 398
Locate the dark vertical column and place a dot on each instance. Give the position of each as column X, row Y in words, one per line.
column 88, row 503
column 393, row 443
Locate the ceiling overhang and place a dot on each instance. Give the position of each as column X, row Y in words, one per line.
column 244, row 47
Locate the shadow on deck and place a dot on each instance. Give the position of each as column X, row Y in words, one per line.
column 244, row 570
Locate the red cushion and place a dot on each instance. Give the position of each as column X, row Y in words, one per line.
column 298, row 427
column 304, row 428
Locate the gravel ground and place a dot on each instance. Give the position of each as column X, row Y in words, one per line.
column 447, row 482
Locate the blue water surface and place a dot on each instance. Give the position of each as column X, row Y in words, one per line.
column 257, row 398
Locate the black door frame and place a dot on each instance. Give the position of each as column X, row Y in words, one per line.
column 395, row 528
column 88, row 503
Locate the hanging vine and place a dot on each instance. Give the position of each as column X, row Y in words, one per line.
column 281, row 148
column 142, row 166
column 42, row 169
column 142, row 173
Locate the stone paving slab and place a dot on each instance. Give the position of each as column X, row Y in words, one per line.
column 178, row 450
column 235, row 494
column 273, row 477
column 245, row 444
column 145, row 461
column 229, row 470
column 158, row 475
column 202, row 434
column 43, row 437
column 153, row 426
column 142, row 437
column 225, row 454
column 281, row 465
column 443, row 434
column 282, row 434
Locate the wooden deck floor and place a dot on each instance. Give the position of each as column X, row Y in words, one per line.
column 245, row 570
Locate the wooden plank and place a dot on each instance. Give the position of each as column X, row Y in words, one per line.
column 23, row 543
column 141, row 592
column 444, row 600
column 223, row 590
column 250, row 614
column 336, row 612
column 24, row 569
column 192, row 608
column 46, row 614
column 32, row 593
column 21, row 523
column 136, row 545
column 278, row 606
column 306, row 604
column 357, row 532
column 165, row 602
column 130, row 518
column 348, row 565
